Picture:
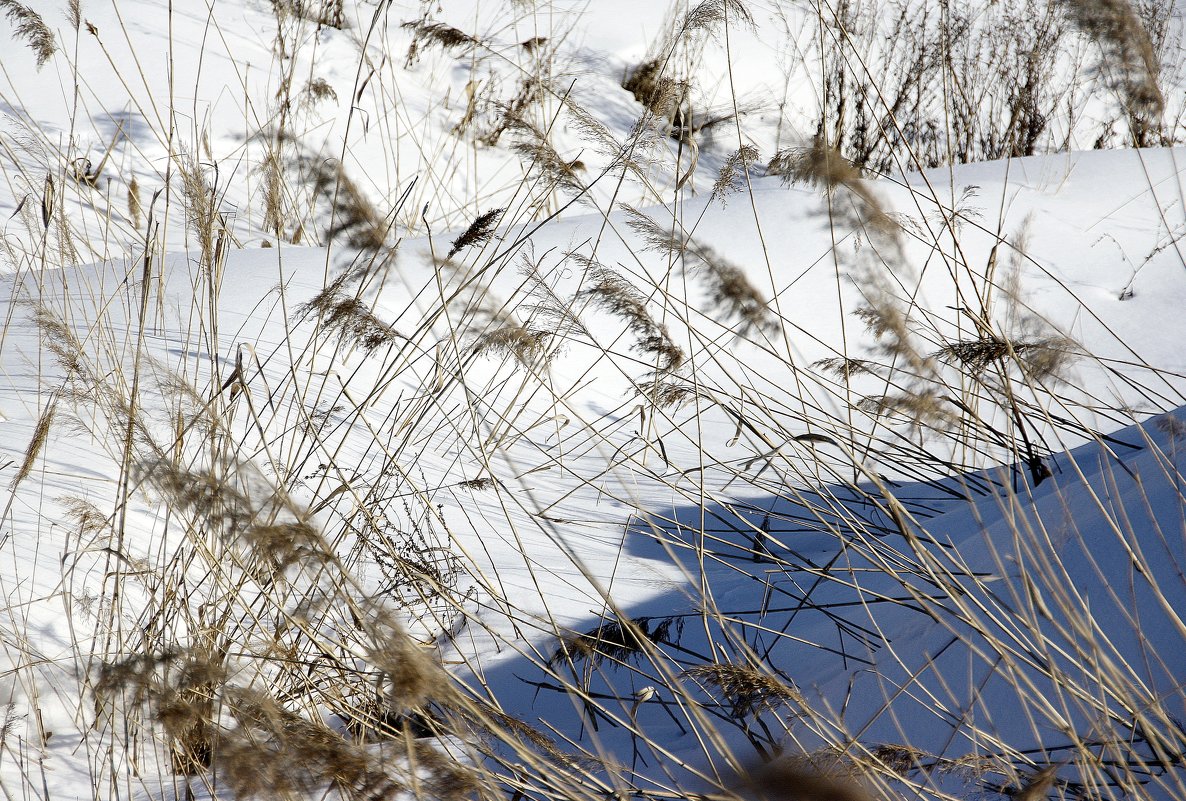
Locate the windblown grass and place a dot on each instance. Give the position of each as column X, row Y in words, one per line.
column 344, row 544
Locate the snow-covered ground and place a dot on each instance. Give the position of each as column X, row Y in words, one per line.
column 671, row 474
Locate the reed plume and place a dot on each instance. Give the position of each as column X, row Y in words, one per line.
column 478, row 232
column 613, row 293
column 30, row 26
column 729, row 290
column 822, row 165
column 1130, row 64
column 746, row 690
column 37, row 443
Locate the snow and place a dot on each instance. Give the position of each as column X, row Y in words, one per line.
column 908, row 587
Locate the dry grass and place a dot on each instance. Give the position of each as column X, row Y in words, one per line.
column 478, row 232
column 738, row 164
column 746, row 690
column 327, row 13
column 30, row 26
column 729, row 289
column 1129, row 62
column 349, row 319
column 37, row 443
column 435, row 34
column 135, row 204
column 824, row 166
column 353, row 217
column 610, row 291
column 275, row 591
column 660, row 94
column 617, row 641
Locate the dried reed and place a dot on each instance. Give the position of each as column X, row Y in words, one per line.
column 30, row 26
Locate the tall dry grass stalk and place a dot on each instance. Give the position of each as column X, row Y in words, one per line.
column 201, row 207
column 273, row 195
column 135, row 204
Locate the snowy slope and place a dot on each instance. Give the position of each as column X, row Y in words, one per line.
column 844, row 531
column 584, row 506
